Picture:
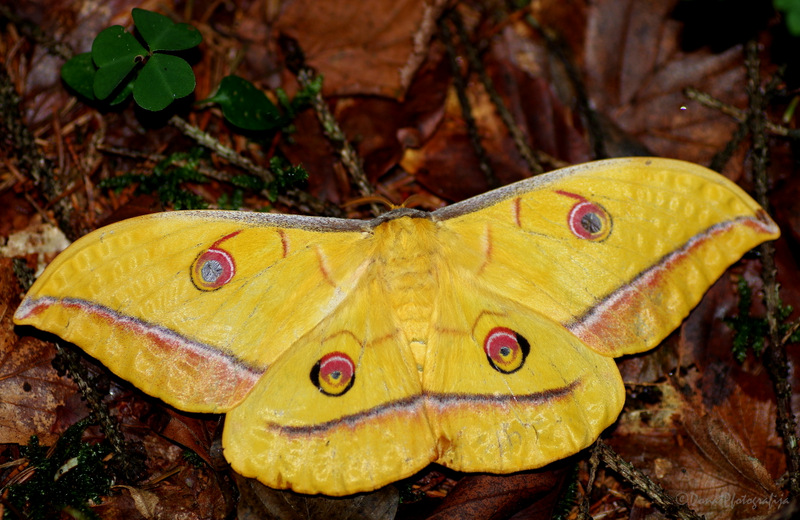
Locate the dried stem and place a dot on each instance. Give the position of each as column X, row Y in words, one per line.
column 644, row 485
column 30, row 158
column 295, row 62
column 294, row 198
column 594, row 461
column 775, row 355
column 520, row 140
column 330, row 127
column 740, row 115
column 227, row 153
column 594, row 126
column 460, row 84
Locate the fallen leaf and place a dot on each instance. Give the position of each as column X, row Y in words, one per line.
column 447, row 163
column 30, row 389
column 363, row 47
column 501, row 496
column 262, row 503
column 636, row 71
column 43, row 240
column 710, row 437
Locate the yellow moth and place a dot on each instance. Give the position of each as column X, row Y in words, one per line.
column 348, row 354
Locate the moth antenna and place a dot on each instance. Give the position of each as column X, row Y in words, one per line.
column 413, row 201
column 379, row 199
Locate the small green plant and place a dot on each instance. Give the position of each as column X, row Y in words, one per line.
column 232, row 201
column 247, row 107
column 568, row 496
column 119, row 65
column 64, row 481
column 286, row 176
column 791, row 12
column 193, row 458
column 750, row 331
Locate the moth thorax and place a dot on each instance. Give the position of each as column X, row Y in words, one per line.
column 407, row 271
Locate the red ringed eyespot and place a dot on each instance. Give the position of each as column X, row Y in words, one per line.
column 506, row 350
column 589, row 221
column 334, row 374
column 213, row 269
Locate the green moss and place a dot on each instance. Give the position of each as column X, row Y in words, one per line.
column 66, row 479
column 286, row 176
column 167, row 180
column 751, row 331
column 568, row 495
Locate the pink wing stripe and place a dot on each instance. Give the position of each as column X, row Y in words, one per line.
column 437, row 401
column 593, row 321
column 208, row 358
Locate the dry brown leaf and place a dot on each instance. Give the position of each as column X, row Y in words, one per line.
column 735, row 482
column 31, row 391
column 43, row 240
column 146, row 502
column 363, row 47
column 259, row 502
column 636, row 72
column 16, row 213
column 711, row 438
column 72, row 23
column 446, row 163
column 379, row 128
column 174, row 487
column 500, row 496
column 192, row 432
column 699, row 459
column 631, row 85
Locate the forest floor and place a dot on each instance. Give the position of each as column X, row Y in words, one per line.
column 418, row 90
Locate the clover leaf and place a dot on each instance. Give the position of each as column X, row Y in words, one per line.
column 121, row 65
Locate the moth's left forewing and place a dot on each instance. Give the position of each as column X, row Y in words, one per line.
column 192, row 307
column 616, row 251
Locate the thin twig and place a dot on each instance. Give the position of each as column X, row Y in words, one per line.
column 520, row 140
column 460, row 84
column 330, row 127
column 776, row 359
column 209, row 172
column 294, row 197
column 594, row 461
column 227, row 153
column 721, row 158
column 644, row 485
column 594, row 127
column 790, row 332
column 738, row 114
column 306, row 76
